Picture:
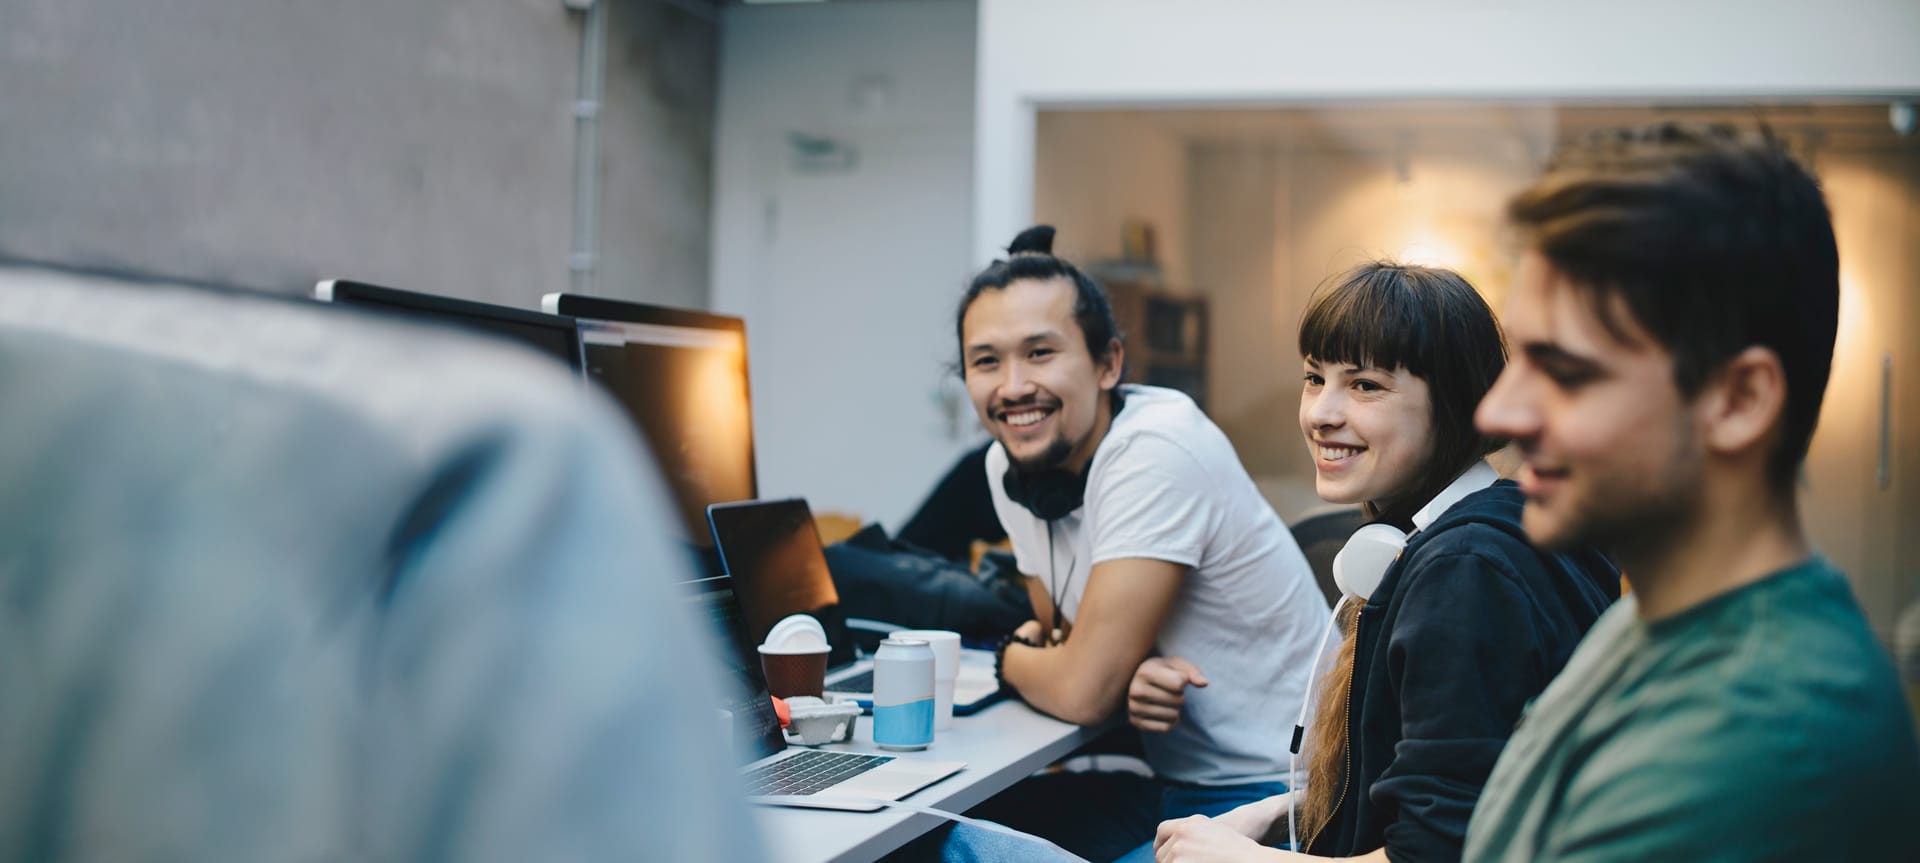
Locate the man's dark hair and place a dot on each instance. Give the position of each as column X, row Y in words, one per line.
column 1434, row 324
column 1030, row 256
column 1716, row 239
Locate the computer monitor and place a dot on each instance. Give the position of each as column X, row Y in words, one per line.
column 682, row 377
column 553, row 335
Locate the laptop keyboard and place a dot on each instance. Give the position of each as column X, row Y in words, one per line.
column 862, row 682
column 810, row 771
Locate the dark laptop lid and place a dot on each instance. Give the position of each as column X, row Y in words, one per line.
column 756, row 730
column 772, row 550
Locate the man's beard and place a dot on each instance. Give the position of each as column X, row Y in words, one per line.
column 1635, row 520
column 1632, row 525
column 1055, row 455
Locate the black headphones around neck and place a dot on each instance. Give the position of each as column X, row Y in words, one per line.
column 1050, row 494
column 1053, row 494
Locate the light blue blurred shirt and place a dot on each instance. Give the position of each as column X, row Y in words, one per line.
column 283, row 582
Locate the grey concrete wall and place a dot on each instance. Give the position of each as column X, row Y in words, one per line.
column 424, row 144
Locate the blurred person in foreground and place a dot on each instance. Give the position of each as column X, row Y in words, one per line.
column 286, row 582
column 1672, row 320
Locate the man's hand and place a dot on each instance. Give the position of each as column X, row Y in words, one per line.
column 1158, row 690
column 1199, row 839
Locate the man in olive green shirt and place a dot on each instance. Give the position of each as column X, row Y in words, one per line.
column 1672, row 322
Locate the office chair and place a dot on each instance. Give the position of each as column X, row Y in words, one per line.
column 1321, row 533
column 280, row 581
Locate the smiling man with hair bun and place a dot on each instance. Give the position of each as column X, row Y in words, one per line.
column 1140, row 534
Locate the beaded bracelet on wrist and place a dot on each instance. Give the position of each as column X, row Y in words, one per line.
column 1000, row 660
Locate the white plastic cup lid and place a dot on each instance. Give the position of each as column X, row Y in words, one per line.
column 791, row 650
column 797, row 632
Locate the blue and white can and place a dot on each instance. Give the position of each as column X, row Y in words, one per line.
column 903, row 694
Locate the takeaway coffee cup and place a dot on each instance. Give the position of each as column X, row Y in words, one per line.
column 792, row 671
column 794, row 657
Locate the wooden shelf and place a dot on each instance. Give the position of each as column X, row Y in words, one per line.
column 1166, row 333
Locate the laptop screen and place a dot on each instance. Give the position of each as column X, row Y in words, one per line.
column 756, row 730
column 772, row 550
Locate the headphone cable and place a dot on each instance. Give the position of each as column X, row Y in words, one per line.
column 1300, row 729
column 1055, row 637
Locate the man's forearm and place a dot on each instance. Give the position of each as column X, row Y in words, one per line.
column 1053, row 682
column 1084, row 679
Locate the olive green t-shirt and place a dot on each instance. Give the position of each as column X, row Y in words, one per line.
column 1764, row 724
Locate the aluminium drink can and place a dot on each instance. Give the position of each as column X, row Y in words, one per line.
column 903, row 694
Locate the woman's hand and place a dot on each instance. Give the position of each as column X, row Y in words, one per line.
column 1258, row 819
column 1199, row 839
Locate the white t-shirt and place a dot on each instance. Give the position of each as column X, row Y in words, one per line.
column 1166, row 484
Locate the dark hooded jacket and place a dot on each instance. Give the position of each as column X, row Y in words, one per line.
column 1468, row 625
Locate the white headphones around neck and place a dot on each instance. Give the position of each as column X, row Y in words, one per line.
column 1363, row 562
column 1358, row 569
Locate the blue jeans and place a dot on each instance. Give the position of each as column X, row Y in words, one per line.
column 1098, row 816
column 1180, row 801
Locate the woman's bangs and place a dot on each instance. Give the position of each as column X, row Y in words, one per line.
column 1357, row 323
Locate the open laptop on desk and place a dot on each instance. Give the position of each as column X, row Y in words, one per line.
column 772, row 550
column 830, row 779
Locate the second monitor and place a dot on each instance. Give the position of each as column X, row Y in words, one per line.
column 682, row 377
column 550, row 334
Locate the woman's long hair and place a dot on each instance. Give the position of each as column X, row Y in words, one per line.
column 1431, row 322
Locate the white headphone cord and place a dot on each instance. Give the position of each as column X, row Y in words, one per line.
column 1300, row 728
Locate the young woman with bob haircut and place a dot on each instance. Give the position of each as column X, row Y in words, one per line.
column 1452, row 620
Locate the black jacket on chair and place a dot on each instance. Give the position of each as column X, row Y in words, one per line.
column 1468, row 626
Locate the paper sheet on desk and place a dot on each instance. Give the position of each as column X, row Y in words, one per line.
column 801, row 800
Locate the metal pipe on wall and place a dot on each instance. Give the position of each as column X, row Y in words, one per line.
column 586, row 147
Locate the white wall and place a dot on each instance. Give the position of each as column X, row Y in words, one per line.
column 848, row 278
column 1036, row 53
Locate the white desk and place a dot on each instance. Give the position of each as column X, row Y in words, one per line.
column 1001, row 745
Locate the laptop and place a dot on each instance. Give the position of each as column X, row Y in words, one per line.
column 826, row 779
column 772, row 550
